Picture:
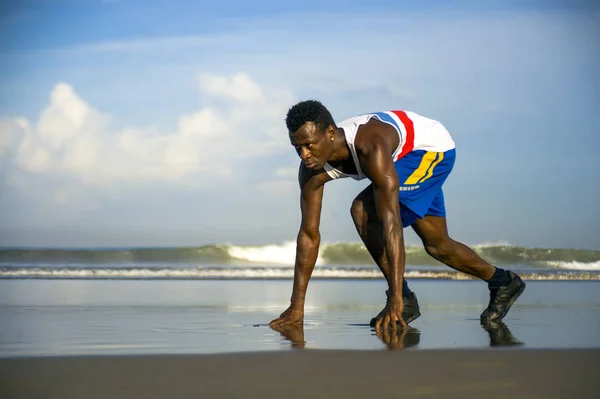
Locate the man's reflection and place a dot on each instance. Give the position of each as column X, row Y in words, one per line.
column 500, row 335
column 293, row 333
column 400, row 338
column 409, row 337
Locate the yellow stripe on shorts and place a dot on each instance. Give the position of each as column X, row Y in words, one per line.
column 425, row 169
column 430, row 173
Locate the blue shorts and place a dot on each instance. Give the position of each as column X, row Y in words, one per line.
column 422, row 174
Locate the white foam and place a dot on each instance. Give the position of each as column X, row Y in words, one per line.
column 255, row 273
column 278, row 254
column 492, row 244
column 252, row 273
column 182, row 273
column 575, row 265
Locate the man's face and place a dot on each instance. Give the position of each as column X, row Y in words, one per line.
column 314, row 147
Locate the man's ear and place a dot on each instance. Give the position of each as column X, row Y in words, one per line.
column 331, row 133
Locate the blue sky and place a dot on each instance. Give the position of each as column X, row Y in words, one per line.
column 161, row 122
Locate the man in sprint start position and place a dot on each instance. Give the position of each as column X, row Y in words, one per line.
column 407, row 158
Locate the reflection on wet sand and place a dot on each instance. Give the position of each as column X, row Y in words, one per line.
column 499, row 334
column 399, row 339
column 293, row 333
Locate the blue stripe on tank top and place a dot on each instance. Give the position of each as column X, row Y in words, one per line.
column 387, row 118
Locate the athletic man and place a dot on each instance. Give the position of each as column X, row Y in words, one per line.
column 407, row 158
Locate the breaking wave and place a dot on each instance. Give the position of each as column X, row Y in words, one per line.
column 281, row 255
column 576, row 265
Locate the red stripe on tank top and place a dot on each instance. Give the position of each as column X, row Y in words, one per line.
column 409, row 143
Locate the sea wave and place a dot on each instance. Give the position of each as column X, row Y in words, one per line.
column 576, row 265
column 252, row 273
column 283, row 255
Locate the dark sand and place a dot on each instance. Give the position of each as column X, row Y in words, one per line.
column 499, row 373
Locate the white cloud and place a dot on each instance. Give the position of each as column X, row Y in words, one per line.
column 32, row 155
column 240, row 120
column 10, row 130
column 67, row 117
column 239, row 88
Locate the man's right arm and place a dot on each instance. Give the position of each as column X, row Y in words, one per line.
column 309, row 237
column 307, row 244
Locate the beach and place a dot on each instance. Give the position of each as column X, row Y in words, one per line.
column 162, row 174
column 132, row 338
column 310, row 374
column 149, row 317
column 132, row 323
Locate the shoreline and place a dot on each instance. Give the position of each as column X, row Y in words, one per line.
column 268, row 274
column 439, row 373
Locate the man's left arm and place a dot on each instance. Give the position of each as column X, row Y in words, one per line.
column 376, row 162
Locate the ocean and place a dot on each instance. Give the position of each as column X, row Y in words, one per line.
column 336, row 261
column 220, row 299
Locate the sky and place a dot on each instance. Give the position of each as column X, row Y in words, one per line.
column 162, row 123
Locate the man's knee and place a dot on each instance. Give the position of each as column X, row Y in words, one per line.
column 442, row 249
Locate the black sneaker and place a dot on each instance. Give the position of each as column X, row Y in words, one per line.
column 409, row 313
column 502, row 298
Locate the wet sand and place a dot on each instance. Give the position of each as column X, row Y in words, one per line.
column 489, row 373
column 80, row 318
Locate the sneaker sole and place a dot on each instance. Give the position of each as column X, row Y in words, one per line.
column 415, row 317
column 510, row 303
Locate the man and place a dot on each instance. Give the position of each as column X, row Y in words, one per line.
column 407, row 158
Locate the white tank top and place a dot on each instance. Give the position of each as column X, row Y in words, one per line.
column 415, row 132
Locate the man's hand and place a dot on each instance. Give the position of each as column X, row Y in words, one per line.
column 392, row 315
column 294, row 315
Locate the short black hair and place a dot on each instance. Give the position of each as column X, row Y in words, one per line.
column 308, row 111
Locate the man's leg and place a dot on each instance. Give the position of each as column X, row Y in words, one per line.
column 505, row 286
column 369, row 228
column 434, row 233
column 370, row 231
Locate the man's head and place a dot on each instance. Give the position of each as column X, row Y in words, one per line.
column 312, row 132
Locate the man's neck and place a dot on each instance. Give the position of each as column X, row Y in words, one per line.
column 341, row 152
